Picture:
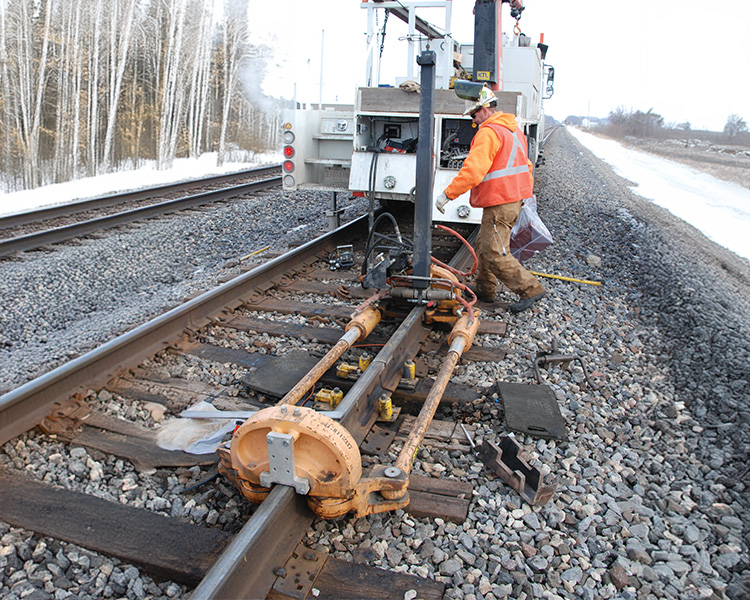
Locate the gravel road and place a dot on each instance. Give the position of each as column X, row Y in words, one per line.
column 653, row 477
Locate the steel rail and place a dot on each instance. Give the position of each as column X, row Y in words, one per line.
column 247, row 568
column 63, row 210
column 61, row 234
column 548, row 134
column 26, row 406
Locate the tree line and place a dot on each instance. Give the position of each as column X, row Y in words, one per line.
column 650, row 124
column 91, row 86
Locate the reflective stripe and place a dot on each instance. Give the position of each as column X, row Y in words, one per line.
column 509, row 168
column 506, row 172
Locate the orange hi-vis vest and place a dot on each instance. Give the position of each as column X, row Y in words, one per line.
column 509, row 178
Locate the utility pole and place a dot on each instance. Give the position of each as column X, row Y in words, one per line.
column 322, row 48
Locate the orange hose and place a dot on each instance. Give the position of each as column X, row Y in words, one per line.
column 467, row 244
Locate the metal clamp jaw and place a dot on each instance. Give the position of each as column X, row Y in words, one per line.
column 366, row 497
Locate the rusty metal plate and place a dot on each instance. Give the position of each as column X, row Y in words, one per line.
column 506, row 461
column 379, row 438
column 532, row 409
column 296, row 578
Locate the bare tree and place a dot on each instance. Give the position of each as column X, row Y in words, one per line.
column 92, row 120
column 28, row 80
column 234, row 53
column 735, row 125
column 200, row 81
column 122, row 26
column 88, row 86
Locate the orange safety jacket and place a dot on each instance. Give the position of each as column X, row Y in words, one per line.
column 500, row 179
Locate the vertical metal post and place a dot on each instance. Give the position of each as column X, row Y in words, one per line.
column 322, row 53
column 371, row 39
column 488, row 43
column 412, row 43
column 423, row 199
column 334, row 214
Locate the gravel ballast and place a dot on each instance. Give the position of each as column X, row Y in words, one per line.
column 58, row 303
column 653, row 478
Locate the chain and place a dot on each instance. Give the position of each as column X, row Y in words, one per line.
column 382, row 33
column 382, row 40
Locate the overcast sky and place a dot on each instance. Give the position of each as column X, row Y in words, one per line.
column 687, row 60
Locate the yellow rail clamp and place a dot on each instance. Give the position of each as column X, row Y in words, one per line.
column 330, row 396
column 410, row 369
column 386, row 412
column 346, row 371
column 364, row 362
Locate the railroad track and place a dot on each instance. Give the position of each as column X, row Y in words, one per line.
column 296, row 297
column 55, row 224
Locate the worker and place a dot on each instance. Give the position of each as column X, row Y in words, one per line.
column 498, row 173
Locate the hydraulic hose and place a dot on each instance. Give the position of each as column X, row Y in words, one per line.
column 468, row 247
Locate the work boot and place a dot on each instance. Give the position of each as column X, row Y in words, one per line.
column 525, row 303
column 482, row 297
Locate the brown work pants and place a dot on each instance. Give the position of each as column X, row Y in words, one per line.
column 495, row 260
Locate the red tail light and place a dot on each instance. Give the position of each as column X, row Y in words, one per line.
column 288, row 151
column 288, row 166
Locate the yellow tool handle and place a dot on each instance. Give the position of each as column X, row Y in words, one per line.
column 566, row 278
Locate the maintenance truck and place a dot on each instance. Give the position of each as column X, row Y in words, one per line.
column 369, row 148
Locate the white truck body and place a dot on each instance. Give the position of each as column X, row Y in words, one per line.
column 370, row 148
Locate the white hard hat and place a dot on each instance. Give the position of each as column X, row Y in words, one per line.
column 486, row 97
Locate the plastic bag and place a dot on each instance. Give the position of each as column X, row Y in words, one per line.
column 195, row 436
column 529, row 235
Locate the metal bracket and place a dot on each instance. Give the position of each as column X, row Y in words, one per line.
column 297, row 576
column 553, row 356
column 66, row 417
column 505, row 461
column 281, row 463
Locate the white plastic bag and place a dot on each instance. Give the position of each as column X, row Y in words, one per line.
column 529, row 235
column 195, row 436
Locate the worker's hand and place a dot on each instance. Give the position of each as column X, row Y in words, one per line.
column 441, row 202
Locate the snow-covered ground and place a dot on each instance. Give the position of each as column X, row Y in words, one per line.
column 184, row 169
column 719, row 209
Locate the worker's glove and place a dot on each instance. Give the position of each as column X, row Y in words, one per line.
column 441, row 202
